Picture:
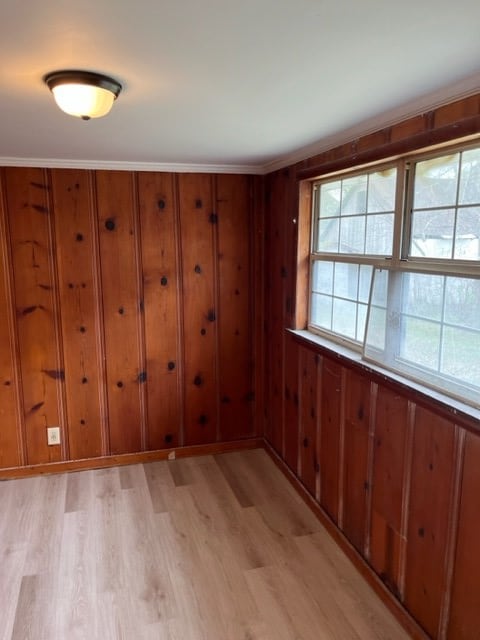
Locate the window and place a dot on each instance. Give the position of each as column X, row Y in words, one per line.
column 395, row 267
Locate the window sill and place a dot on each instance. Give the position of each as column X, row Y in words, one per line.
column 455, row 409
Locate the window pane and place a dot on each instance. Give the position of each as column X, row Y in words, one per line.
column 344, row 317
column 432, row 234
column 381, row 191
column 361, row 321
column 323, row 277
column 423, row 295
column 328, row 232
column 379, row 234
column 467, row 232
column 380, row 286
column 436, row 182
column 330, row 195
column 352, row 235
column 470, row 177
column 321, row 311
column 354, row 195
column 375, row 336
column 346, row 281
column 461, row 355
column 420, row 342
column 462, row 306
column 365, row 282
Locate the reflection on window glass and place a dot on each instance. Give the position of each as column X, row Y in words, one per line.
column 443, row 225
column 355, row 215
column 436, row 182
column 428, row 327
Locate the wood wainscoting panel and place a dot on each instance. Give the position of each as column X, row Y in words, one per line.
column 387, row 486
column 331, row 412
column 200, row 314
column 233, row 210
column 161, row 286
column 122, row 309
column 429, row 513
column 465, row 604
column 41, row 372
column 80, row 301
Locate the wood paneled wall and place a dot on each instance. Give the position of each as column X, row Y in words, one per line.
column 396, row 473
column 128, row 305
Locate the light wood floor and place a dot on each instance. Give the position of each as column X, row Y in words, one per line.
column 208, row 548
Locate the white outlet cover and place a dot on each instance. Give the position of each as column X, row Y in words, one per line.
column 53, row 435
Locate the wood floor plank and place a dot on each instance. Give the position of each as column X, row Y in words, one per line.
column 209, row 548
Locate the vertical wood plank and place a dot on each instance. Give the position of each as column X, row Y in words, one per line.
column 257, row 284
column 388, row 481
column 11, row 441
column 464, row 621
column 235, row 307
column 430, row 491
column 115, row 192
column 158, row 223
column 32, row 259
column 199, row 312
column 277, row 194
column 331, row 381
column 292, row 434
column 76, row 261
column 308, row 418
column 357, row 413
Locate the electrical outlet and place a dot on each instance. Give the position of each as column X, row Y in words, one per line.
column 53, row 435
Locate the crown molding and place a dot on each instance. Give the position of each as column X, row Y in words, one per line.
column 167, row 167
column 463, row 89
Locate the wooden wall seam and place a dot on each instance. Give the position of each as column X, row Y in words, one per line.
column 99, row 320
column 64, row 445
column 10, row 307
column 143, row 369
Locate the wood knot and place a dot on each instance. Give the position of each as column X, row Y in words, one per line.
column 110, row 224
column 161, row 204
column 164, row 281
column 171, row 365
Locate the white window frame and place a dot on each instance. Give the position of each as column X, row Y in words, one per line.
column 399, row 261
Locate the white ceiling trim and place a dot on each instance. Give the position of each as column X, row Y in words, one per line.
column 467, row 87
column 167, row 167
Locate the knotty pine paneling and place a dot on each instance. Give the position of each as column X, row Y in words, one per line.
column 384, row 517
column 355, row 472
column 11, row 440
column 76, row 252
column 40, row 372
column 465, row 606
column 309, row 410
column 129, row 310
column 292, row 402
column 429, row 509
column 122, row 309
column 161, row 286
column 198, row 224
column 278, row 246
column 388, row 481
column 330, row 416
column 235, row 319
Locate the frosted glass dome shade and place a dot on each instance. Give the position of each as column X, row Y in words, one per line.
column 83, row 94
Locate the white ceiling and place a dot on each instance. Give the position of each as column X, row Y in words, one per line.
column 244, row 84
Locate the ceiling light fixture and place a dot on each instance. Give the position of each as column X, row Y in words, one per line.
column 83, row 94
